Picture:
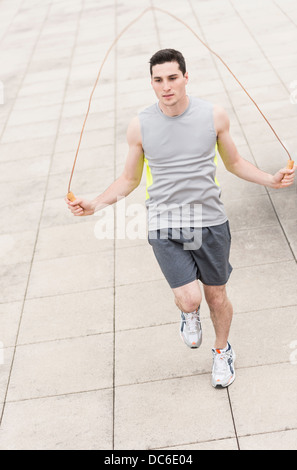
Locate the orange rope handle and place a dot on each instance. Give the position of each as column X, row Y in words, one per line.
column 135, row 20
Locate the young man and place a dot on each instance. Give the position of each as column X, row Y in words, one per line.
column 178, row 138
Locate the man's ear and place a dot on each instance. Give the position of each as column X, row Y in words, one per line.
column 186, row 77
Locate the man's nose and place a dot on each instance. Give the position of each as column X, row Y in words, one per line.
column 166, row 86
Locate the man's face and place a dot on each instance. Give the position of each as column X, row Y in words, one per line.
column 169, row 83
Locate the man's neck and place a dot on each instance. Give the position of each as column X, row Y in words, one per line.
column 175, row 110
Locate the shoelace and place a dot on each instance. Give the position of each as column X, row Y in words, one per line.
column 192, row 321
column 221, row 361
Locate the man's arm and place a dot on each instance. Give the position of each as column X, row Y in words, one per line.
column 240, row 167
column 125, row 184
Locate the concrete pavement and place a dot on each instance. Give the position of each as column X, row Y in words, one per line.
column 90, row 351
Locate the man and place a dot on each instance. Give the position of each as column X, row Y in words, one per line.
column 178, row 138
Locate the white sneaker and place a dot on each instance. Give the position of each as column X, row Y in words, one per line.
column 190, row 329
column 223, row 372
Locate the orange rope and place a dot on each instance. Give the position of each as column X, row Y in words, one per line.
column 202, row 42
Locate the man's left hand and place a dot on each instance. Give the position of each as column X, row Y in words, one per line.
column 283, row 178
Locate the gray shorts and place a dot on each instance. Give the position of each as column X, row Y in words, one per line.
column 185, row 255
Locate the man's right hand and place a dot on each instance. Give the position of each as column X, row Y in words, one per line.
column 80, row 207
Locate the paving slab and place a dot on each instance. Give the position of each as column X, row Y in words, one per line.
column 59, row 367
column 64, row 312
column 82, row 421
column 63, row 275
column 161, row 360
column 271, row 441
column 269, row 405
column 150, row 426
column 146, row 304
column 9, row 320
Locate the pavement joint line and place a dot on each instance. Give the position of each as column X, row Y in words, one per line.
column 52, row 120
column 268, row 432
column 156, row 25
column 279, row 120
column 222, row 439
column 233, row 419
column 106, row 333
column 132, row 283
column 58, row 395
column 205, row 373
column 285, row 14
column 23, row 301
column 259, row 47
column 157, row 280
column 193, row 443
column 45, row 191
column 115, row 111
column 204, row 318
column 25, row 72
column 10, row 24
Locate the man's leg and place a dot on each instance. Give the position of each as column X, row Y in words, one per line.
column 221, row 312
column 188, row 298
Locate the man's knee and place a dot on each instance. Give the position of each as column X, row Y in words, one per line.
column 188, row 300
column 216, row 297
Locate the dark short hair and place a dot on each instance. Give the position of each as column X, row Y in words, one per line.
column 168, row 55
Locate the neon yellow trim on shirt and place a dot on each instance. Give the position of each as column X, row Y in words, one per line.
column 216, row 161
column 149, row 178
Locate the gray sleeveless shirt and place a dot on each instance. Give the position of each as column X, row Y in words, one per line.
column 181, row 157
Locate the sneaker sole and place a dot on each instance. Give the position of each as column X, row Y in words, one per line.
column 232, row 379
column 192, row 346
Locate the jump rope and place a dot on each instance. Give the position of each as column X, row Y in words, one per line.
column 70, row 195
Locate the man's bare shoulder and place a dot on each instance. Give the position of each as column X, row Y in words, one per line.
column 220, row 112
column 134, row 132
column 221, row 118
